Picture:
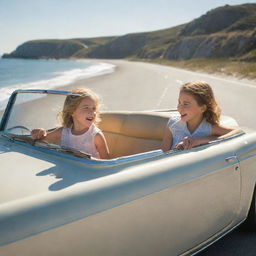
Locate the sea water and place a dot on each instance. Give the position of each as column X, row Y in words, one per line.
column 45, row 74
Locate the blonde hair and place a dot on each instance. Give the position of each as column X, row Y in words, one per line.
column 203, row 94
column 71, row 103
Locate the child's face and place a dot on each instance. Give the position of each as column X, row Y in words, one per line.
column 189, row 109
column 85, row 113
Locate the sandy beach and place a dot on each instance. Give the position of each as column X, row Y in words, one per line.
column 133, row 86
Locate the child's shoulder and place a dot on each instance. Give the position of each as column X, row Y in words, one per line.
column 174, row 119
column 58, row 129
column 57, row 132
column 95, row 129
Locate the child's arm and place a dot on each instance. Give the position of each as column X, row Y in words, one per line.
column 101, row 145
column 222, row 132
column 190, row 142
column 167, row 140
column 218, row 132
column 51, row 137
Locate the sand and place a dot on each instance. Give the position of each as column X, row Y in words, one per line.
column 133, row 86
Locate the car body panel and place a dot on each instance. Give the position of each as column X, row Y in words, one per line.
column 171, row 203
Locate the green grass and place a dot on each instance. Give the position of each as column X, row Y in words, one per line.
column 239, row 69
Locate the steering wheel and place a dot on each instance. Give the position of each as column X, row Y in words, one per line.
column 21, row 130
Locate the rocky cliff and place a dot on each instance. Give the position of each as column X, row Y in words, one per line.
column 228, row 31
column 219, row 19
column 221, row 45
column 46, row 49
column 55, row 48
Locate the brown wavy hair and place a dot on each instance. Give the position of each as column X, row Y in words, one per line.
column 71, row 103
column 203, row 94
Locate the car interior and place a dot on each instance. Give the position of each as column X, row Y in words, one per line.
column 129, row 133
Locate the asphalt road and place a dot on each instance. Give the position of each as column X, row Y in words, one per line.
column 157, row 87
column 237, row 243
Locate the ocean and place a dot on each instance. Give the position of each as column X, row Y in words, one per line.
column 45, row 74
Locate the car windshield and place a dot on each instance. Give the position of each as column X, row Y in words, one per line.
column 34, row 110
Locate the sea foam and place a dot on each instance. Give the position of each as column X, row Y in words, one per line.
column 61, row 79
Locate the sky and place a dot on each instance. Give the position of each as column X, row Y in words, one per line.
column 24, row 20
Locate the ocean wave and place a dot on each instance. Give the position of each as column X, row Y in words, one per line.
column 61, row 79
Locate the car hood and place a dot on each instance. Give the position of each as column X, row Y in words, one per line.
column 27, row 171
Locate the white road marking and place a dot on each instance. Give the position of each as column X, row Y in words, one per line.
column 162, row 96
column 180, row 82
column 165, row 91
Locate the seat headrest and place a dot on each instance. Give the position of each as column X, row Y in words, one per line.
column 135, row 124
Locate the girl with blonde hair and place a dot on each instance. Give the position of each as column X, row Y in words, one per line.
column 79, row 117
column 199, row 120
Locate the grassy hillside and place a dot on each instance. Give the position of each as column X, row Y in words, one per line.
column 56, row 48
column 220, row 19
column 239, row 69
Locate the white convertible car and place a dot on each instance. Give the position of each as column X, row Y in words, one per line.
column 55, row 201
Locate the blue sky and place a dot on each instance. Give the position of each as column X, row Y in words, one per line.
column 23, row 20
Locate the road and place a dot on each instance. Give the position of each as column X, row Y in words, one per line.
column 237, row 243
column 157, row 87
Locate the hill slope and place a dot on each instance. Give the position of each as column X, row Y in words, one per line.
column 228, row 31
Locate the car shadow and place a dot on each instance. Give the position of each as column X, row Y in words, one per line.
column 67, row 177
column 64, row 170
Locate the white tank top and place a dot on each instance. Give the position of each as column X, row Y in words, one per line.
column 83, row 142
column 180, row 130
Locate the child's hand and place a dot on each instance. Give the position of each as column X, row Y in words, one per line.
column 39, row 133
column 187, row 143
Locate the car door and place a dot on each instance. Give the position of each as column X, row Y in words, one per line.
column 204, row 200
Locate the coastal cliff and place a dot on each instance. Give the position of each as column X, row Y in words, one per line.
column 46, row 49
column 224, row 32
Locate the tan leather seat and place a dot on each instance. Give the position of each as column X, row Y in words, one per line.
column 130, row 133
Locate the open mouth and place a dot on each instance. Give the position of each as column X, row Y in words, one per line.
column 183, row 115
column 89, row 119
